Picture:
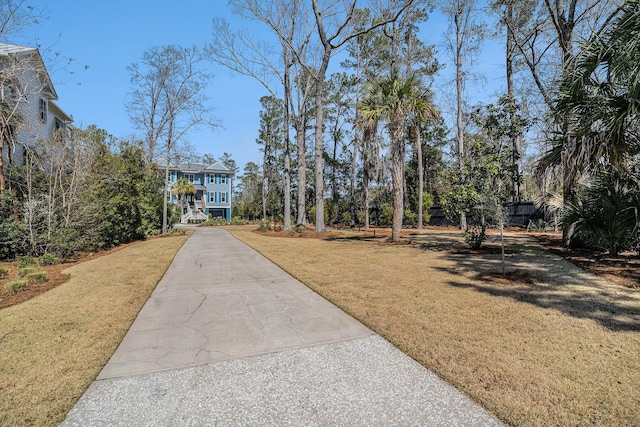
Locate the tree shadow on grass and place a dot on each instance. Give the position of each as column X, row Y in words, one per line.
column 562, row 287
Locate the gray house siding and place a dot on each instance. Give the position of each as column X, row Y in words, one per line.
column 34, row 94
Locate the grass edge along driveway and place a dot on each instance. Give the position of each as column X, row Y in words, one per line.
column 564, row 351
column 53, row 346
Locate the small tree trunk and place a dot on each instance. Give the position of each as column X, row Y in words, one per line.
column 397, row 175
column 420, row 176
column 302, row 172
column 165, row 202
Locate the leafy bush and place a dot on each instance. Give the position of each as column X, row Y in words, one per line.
column 474, row 236
column 264, row 226
column 4, row 272
column 386, row 214
column 16, row 285
column 214, row 221
column 410, row 218
column 47, row 259
column 176, row 232
column 64, row 241
column 25, row 261
column 13, row 239
column 236, row 220
column 346, row 219
column 37, row 276
column 25, row 271
column 607, row 216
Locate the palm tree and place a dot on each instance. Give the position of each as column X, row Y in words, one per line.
column 424, row 111
column 181, row 188
column 392, row 99
column 600, row 98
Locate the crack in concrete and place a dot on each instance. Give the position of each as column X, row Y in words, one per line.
column 191, row 313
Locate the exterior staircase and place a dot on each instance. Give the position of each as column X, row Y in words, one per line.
column 194, row 213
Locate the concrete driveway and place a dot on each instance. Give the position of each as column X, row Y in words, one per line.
column 228, row 338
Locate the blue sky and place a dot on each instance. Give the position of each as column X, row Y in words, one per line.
column 103, row 38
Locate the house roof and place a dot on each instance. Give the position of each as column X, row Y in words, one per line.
column 8, row 49
column 198, row 167
column 58, row 112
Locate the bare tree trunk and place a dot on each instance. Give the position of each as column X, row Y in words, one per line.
column 420, row 176
column 459, row 99
column 365, row 184
column 319, row 149
column 302, row 171
column 397, row 176
column 165, row 201
column 352, row 184
column 516, row 141
column 287, row 160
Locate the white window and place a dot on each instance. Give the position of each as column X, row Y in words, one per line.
column 191, row 178
column 212, row 196
column 211, row 179
column 223, row 197
column 43, row 110
column 223, row 179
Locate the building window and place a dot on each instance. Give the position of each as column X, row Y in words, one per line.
column 43, row 110
column 191, row 178
column 212, row 197
column 211, row 179
column 223, row 197
column 223, row 179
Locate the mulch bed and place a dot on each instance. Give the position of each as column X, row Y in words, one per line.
column 624, row 269
column 55, row 277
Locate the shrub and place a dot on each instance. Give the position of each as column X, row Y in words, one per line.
column 16, row 285
column 214, row 221
column 264, row 226
column 13, row 240
column 176, row 232
column 47, row 259
column 410, row 218
column 386, row 216
column 4, row 272
column 474, row 237
column 25, row 271
column 346, row 219
column 37, row 276
column 25, row 261
column 607, row 215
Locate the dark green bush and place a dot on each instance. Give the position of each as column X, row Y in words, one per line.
column 25, row 261
column 13, row 239
column 474, row 236
column 607, row 214
column 47, row 259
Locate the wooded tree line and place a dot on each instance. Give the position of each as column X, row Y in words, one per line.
column 366, row 144
column 370, row 145
column 82, row 189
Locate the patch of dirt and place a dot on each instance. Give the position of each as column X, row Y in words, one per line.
column 55, row 277
column 623, row 270
column 517, row 277
column 305, row 233
column 485, row 250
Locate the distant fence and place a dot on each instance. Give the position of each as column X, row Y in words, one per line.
column 519, row 215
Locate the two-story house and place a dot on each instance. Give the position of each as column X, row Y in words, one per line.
column 212, row 185
column 27, row 95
